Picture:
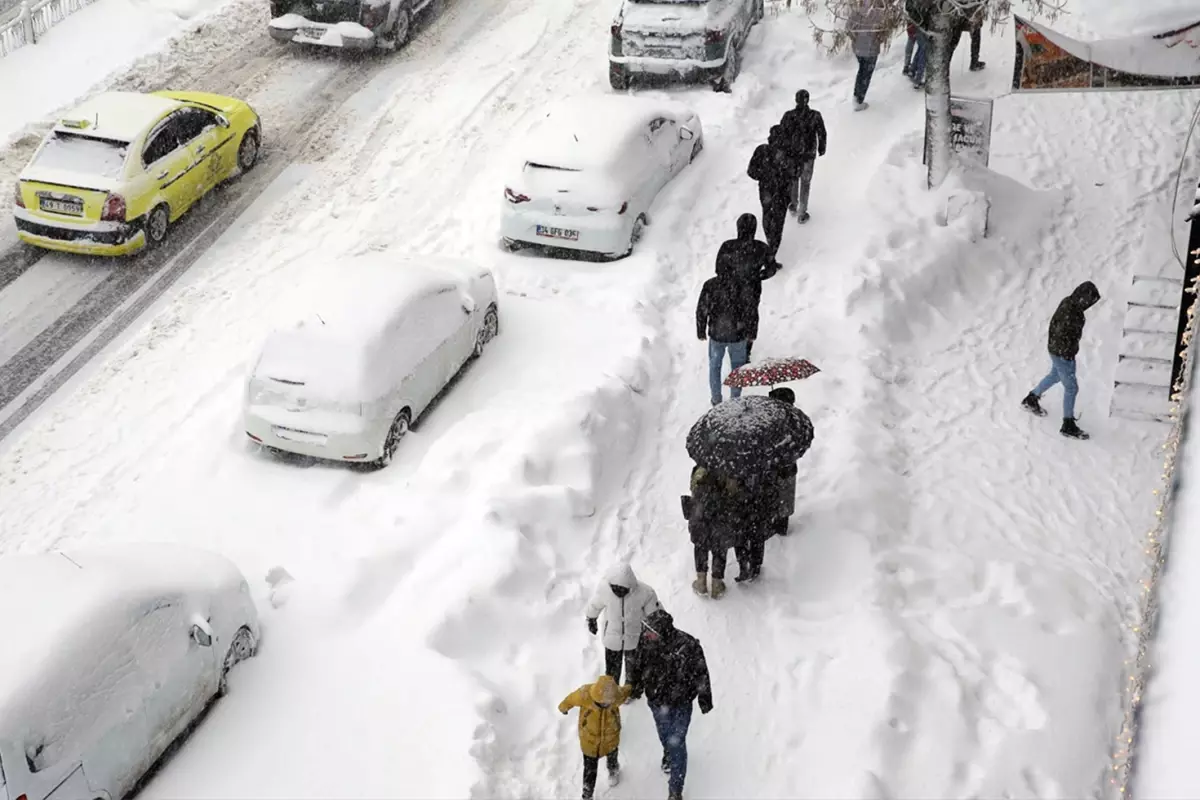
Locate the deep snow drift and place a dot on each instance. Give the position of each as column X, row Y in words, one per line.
column 945, row 618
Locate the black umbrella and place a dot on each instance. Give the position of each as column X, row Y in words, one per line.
column 749, row 436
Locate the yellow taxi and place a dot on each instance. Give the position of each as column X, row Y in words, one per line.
column 112, row 177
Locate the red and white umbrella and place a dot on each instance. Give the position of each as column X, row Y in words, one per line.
column 770, row 372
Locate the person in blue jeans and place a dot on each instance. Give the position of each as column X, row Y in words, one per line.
column 674, row 674
column 727, row 316
column 1066, row 330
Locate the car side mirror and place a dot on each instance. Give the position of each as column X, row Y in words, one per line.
column 686, row 133
column 467, row 309
column 222, row 120
column 201, row 631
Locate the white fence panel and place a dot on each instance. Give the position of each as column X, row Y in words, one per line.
column 33, row 21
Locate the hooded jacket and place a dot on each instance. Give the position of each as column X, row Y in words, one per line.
column 727, row 310
column 599, row 714
column 1066, row 326
column 771, row 164
column 674, row 671
column 622, row 615
column 745, row 257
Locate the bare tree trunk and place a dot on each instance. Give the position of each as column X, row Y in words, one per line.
column 939, row 153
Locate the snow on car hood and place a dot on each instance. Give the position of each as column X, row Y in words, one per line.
column 668, row 17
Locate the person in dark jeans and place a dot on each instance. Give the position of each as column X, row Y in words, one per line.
column 973, row 25
column 727, row 317
column 599, row 728
column 865, row 26
column 775, row 171
column 804, row 139
column 625, row 602
column 713, row 526
column 1066, row 330
column 676, row 675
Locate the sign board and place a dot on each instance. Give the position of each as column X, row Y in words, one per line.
column 970, row 129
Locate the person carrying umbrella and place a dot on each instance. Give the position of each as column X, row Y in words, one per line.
column 786, row 476
column 715, row 526
column 727, row 317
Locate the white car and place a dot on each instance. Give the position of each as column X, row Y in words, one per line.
column 109, row 655
column 347, row 380
column 592, row 168
column 348, row 24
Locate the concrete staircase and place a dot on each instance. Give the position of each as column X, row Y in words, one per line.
column 1142, row 380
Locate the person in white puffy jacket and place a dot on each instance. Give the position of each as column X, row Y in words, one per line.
column 625, row 602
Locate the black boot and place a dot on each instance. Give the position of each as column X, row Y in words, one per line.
column 666, row 764
column 978, row 65
column 1031, row 404
column 1071, row 430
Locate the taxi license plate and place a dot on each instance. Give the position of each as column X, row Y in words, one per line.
column 315, row 34
column 72, row 208
column 551, row 232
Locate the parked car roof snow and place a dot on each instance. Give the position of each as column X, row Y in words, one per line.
column 591, row 131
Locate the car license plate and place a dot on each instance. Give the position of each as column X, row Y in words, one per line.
column 315, row 34
column 73, row 208
column 302, row 437
column 551, row 232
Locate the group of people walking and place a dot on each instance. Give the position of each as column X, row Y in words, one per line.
column 665, row 664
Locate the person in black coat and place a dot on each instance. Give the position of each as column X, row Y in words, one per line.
column 749, row 260
column 726, row 316
column 1066, row 330
column 803, row 132
column 715, row 525
column 772, row 167
column 675, row 674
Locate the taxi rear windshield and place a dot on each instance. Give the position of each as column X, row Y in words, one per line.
column 85, row 155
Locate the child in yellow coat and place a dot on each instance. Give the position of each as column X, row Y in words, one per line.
column 599, row 727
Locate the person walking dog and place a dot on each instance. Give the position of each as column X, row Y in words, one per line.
column 599, row 707
column 1066, row 330
column 625, row 602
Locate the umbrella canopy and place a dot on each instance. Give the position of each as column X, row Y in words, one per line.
column 749, row 436
column 771, row 372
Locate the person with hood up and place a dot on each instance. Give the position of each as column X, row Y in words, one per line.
column 865, row 26
column 749, row 260
column 773, row 169
column 676, row 675
column 715, row 524
column 599, row 707
column 804, row 138
column 625, row 602
column 727, row 317
column 1066, row 329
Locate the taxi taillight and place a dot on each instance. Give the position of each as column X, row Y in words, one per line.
column 114, row 209
column 17, row 195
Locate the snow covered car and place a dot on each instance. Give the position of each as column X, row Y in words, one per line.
column 350, row 24
column 347, row 381
column 592, row 168
column 109, row 655
column 685, row 38
column 111, row 177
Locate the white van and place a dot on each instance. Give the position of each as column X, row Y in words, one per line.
column 108, row 656
column 346, row 381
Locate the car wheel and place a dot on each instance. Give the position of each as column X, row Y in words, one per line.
column 403, row 28
column 696, row 149
column 157, row 223
column 248, row 150
column 487, row 331
column 241, row 648
column 391, row 442
column 618, row 76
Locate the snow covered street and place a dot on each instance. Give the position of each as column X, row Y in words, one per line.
column 950, row 614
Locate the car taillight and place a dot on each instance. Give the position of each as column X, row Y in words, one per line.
column 624, row 207
column 114, row 209
column 714, row 37
column 17, row 195
column 514, row 197
column 373, row 16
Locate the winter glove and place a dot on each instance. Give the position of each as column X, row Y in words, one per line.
column 565, row 713
column 820, row 152
column 592, row 627
column 705, row 705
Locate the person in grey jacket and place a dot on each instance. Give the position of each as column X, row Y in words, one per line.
column 865, row 26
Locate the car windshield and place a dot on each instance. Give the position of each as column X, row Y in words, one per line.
column 72, row 153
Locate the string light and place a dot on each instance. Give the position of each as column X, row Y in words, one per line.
column 1122, row 758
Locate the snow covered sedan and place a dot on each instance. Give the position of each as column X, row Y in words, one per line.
column 112, row 177
column 349, row 24
column 591, row 170
column 684, row 38
column 347, row 381
column 109, row 655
